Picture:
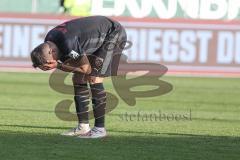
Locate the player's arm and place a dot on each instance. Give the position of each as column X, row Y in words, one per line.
column 79, row 65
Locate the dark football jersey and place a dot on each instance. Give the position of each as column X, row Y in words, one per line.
column 81, row 36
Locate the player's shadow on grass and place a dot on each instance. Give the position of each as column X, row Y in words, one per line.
column 21, row 145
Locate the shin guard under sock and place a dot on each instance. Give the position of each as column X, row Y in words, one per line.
column 81, row 102
column 99, row 103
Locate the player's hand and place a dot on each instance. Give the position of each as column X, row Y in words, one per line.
column 43, row 68
column 51, row 64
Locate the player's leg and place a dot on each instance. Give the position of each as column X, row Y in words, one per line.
column 104, row 63
column 81, row 98
column 99, row 98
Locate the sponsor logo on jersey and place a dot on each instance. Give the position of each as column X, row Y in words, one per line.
column 73, row 54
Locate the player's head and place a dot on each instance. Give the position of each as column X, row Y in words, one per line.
column 42, row 53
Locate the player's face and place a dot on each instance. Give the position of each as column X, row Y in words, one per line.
column 42, row 67
column 48, row 55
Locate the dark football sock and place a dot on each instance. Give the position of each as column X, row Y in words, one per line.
column 99, row 99
column 81, row 102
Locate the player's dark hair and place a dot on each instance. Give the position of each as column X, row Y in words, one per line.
column 37, row 55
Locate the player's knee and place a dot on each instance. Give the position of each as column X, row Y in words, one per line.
column 93, row 80
column 79, row 78
column 86, row 68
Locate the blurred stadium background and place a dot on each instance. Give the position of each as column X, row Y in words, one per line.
column 198, row 41
column 196, row 37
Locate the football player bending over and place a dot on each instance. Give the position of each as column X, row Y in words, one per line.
column 89, row 47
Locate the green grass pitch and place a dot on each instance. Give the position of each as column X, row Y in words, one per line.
column 29, row 129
